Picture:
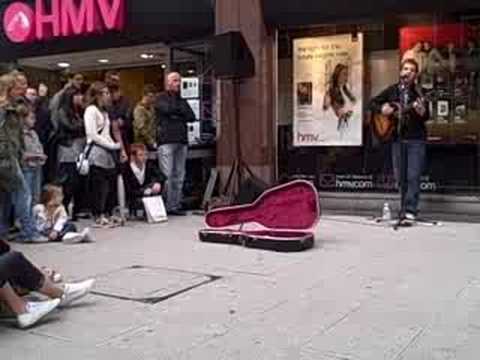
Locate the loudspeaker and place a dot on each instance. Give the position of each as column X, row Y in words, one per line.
column 232, row 57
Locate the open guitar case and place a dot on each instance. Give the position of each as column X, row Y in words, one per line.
column 282, row 218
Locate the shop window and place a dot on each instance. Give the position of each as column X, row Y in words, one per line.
column 447, row 49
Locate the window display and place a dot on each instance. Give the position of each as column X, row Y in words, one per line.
column 323, row 99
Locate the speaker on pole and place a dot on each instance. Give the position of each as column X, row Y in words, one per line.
column 232, row 58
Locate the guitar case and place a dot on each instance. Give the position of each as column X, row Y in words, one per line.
column 282, row 218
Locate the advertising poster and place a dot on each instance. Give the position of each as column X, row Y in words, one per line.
column 190, row 88
column 328, row 90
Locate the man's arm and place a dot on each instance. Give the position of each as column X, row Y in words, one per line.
column 381, row 104
column 377, row 103
column 117, row 136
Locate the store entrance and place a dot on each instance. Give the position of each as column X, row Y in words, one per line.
column 136, row 67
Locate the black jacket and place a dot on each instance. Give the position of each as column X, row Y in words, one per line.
column 136, row 190
column 172, row 115
column 4, row 247
column 415, row 128
column 43, row 125
column 121, row 109
column 70, row 127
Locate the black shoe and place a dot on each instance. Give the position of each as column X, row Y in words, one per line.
column 177, row 213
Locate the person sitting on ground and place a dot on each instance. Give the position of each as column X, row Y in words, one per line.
column 52, row 219
column 142, row 178
column 17, row 270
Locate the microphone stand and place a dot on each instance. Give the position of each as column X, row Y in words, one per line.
column 403, row 158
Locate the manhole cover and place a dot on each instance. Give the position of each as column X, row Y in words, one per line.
column 149, row 284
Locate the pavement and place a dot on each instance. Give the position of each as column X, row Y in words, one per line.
column 365, row 292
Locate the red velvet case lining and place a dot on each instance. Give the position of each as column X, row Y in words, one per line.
column 292, row 206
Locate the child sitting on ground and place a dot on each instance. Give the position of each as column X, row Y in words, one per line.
column 52, row 220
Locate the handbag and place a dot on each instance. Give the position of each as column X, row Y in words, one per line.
column 83, row 163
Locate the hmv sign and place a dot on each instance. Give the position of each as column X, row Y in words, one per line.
column 49, row 19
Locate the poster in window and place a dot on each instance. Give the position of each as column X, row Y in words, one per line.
column 190, row 88
column 328, row 90
column 443, row 111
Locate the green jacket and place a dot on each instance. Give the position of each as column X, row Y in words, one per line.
column 144, row 129
column 11, row 148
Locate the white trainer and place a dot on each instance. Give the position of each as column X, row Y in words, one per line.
column 35, row 312
column 72, row 238
column 76, row 291
column 87, row 235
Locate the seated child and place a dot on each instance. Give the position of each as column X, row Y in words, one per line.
column 52, row 220
column 142, row 178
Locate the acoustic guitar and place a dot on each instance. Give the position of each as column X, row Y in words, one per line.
column 384, row 126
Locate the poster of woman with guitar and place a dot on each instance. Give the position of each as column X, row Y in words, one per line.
column 339, row 97
column 400, row 113
column 330, row 70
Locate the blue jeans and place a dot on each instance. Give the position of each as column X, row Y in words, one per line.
column 415, row 152
column 4, row 214
column 172, row 159
column 68, row 228
column 21, row 200
column 33, row 177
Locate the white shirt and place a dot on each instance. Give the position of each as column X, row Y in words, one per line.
column 96, row 120
column 46, row 224
column 97, row 128
column 139, row 173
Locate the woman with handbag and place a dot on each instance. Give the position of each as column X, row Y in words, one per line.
column 103, row 155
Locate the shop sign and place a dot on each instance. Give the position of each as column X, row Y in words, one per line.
column 24, row 23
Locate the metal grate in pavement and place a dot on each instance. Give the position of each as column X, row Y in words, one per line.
column 150, row 285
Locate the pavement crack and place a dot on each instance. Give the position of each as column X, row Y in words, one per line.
column 49, row 336
column 329, row 327
column 412, row 341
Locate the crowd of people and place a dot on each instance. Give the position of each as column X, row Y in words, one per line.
column 43, row 186
column 42, row 140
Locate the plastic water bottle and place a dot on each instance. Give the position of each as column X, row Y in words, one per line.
column 386, row 213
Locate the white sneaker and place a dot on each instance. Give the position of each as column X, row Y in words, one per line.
column 36, row 311
column 72, row 238
column 410, row 217
column 87, row 235
column 76, row 291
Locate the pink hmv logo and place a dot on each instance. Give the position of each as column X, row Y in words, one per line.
column 61, row 18
column 18, row 22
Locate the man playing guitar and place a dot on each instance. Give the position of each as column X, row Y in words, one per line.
column 402, row 103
